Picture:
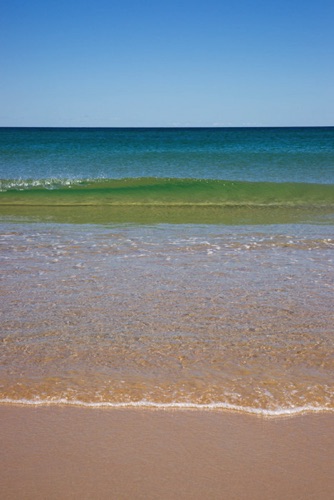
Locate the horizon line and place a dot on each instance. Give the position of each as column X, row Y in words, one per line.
column 159, row 126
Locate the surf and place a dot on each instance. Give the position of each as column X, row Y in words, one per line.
column 147, row 191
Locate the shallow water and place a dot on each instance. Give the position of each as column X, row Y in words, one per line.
column 168, row 267
column 222, row 316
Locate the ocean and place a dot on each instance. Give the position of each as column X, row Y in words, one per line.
column 183, row 268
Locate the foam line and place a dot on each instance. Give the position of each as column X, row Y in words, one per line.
column 175, row 405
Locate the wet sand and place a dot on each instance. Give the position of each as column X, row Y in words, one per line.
column 72, row 453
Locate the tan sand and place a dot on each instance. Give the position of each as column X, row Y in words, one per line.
column 78, row 453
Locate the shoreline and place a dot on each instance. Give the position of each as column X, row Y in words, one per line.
column 175, row 406
column 74, row 452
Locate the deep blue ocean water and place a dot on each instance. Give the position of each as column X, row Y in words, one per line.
column 246, row 154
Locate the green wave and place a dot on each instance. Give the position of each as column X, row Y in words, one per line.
column 154, row 200
column 163, row 192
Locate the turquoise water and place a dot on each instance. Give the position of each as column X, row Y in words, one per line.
column 245, row 154
column 168, row 268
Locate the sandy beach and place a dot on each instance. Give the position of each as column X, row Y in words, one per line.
column 71, row 453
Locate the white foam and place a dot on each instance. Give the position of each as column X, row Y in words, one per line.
column 50, row 183
column 279, row 412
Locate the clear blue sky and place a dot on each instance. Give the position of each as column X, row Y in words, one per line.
column 166, row 63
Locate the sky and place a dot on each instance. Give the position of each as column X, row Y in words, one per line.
column 119, row 63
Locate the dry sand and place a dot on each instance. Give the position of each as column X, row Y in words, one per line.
column 80, row 453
